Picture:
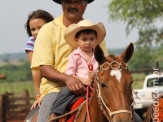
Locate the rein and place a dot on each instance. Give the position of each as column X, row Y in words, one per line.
column 100, row 99
column 90, row 67
column 87, row 100
column 66, row 114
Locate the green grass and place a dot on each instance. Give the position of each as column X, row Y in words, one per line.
column 138, row 79
column 137, row 84
column 138, row 76
column 17, row 87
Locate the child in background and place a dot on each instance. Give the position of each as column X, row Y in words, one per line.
column 84, row 36
column 34, row 22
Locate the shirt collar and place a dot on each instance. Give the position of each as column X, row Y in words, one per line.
column 79, row 52
column 59, row 21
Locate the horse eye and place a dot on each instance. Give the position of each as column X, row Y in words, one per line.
column 103, row 85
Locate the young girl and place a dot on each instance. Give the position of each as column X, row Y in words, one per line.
column 34, row 22
column 84, row 36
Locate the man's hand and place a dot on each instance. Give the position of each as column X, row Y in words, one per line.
column 75, row 85
column 53, row 75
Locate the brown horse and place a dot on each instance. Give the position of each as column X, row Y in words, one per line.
column 155, row 111
column 149, row 114
column 112, row 97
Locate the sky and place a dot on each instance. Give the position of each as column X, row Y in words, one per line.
column 14, row 13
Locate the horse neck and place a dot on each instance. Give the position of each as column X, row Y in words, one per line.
column 94, row 109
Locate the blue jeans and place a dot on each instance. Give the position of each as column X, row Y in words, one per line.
column 137, row 118
column 64, row 98
column 44, row 111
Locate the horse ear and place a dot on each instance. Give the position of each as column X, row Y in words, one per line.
column 99, row 55
column 127, row 54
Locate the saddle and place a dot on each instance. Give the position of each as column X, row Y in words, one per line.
column 78, row 102
column 74, row 105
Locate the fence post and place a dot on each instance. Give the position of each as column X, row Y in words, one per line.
column 157, row 65
column 2, row 108
column 26, row 94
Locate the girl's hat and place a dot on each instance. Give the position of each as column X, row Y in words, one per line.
column 82, row 25
column 59, row 1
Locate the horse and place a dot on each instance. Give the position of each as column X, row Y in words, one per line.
column 112, row 98
column 112, row 95
column 155, row 111
column 149, row 114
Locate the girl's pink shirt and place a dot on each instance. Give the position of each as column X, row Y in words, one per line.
column 78, row 64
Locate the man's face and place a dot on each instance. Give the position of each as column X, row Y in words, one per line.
column 74, row 9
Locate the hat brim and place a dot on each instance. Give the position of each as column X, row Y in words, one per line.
column 74, row 28
column 59, row 1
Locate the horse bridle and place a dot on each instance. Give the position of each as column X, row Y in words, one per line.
column 120, row 65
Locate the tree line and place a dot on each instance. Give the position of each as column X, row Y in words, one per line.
column 142, row 58
column 15, row 73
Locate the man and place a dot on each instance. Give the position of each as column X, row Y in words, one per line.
column 51, row 52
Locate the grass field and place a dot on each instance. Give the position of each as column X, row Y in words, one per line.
column 138, row 79
column 21, row 86
column 17, row 87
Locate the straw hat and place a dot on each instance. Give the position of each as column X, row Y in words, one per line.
column 59, row 1
column 84, row 24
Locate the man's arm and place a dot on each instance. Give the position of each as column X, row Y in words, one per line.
column 74, row 84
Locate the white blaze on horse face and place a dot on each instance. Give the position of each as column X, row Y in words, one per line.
column 117, row 74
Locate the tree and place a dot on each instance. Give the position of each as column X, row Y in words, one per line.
column 143, row 57
column 14, row 73
column 140, row 14
column 6, row 58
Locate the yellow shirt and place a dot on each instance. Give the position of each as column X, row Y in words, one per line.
column 51, row 49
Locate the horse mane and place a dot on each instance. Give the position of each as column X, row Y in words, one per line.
column 113, row 57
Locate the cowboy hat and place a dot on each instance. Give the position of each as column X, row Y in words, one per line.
column 59, row 1
column 82, row 25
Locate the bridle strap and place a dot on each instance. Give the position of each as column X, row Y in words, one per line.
column 120, row 111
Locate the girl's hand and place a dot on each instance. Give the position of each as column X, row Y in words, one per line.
column 87, row 81
column 37, row 102
column 91, row 75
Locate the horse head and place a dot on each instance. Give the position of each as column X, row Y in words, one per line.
column 113, row 85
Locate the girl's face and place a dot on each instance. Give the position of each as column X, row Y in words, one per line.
column 86, row 42
column 35, row 25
